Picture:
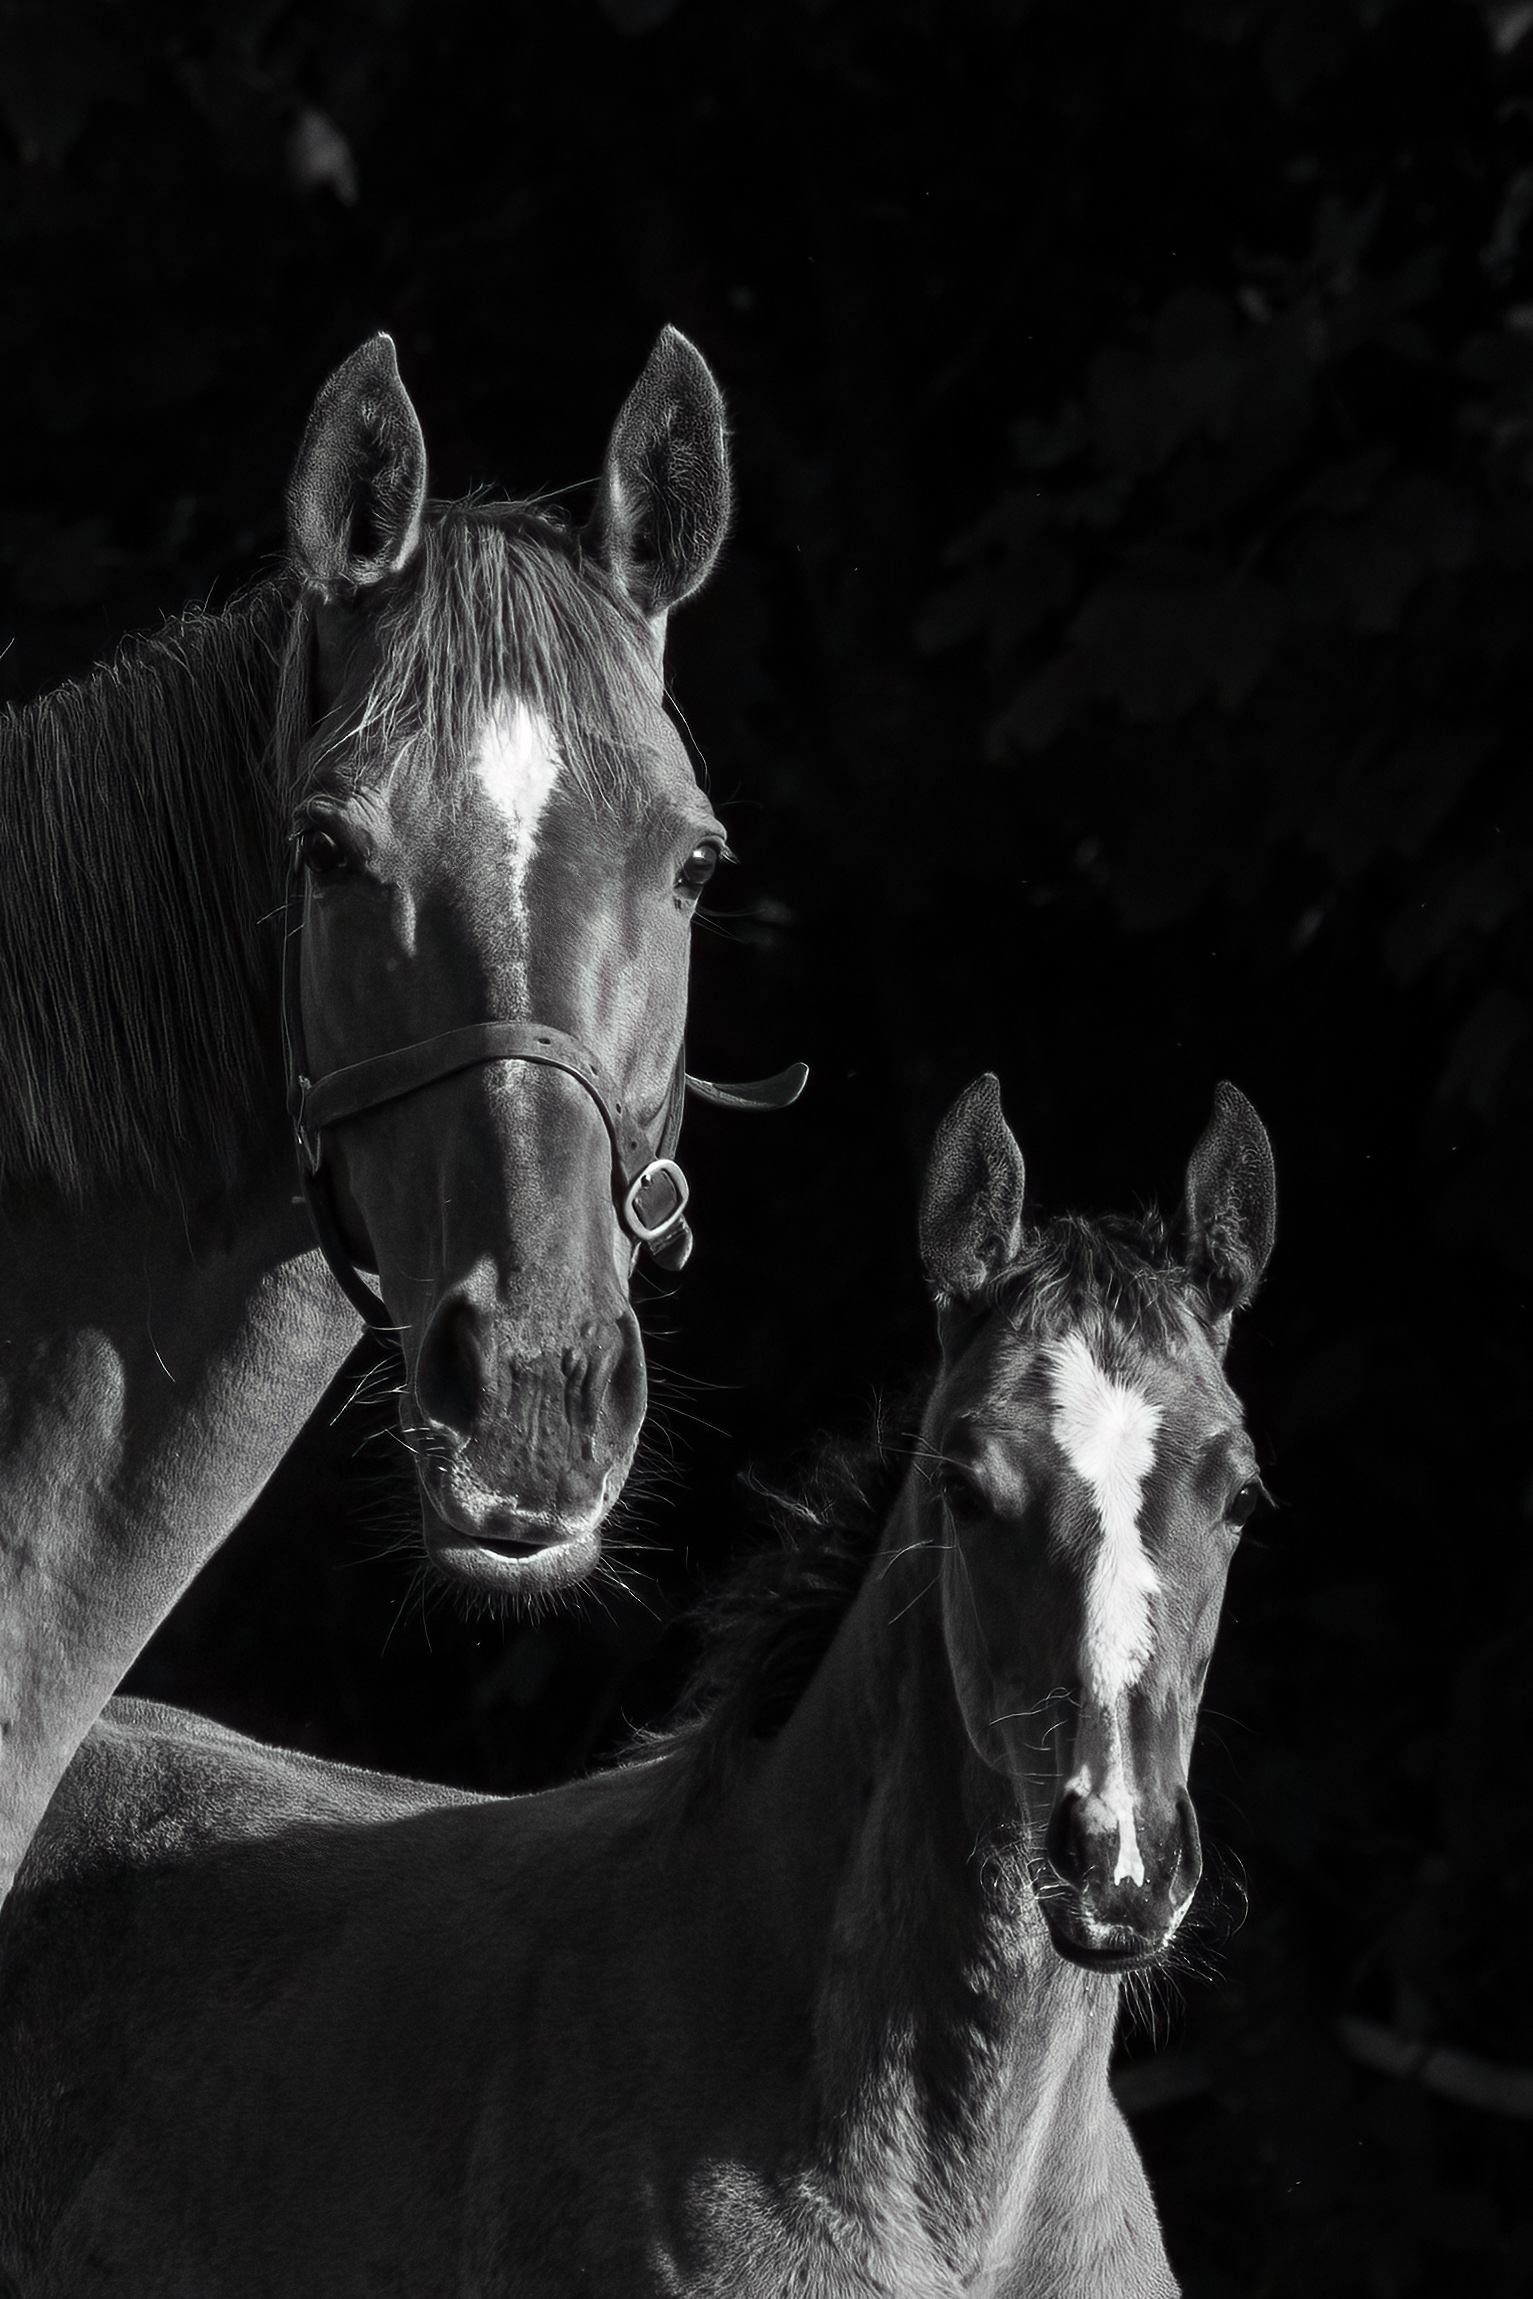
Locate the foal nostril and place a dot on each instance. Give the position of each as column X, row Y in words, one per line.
column 1188, row 1865
column 1062, row 1846
column 449, row 1374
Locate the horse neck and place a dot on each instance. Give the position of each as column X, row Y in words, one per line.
column 164, row 1330
column 950, row 2043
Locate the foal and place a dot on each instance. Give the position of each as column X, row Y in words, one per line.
column 818, row 2003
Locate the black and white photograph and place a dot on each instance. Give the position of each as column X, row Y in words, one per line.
column 766, row 1149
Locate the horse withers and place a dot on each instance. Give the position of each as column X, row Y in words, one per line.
column 814, row 1996
column 413, row 805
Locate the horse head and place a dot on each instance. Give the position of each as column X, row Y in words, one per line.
column 498, row 848
column 1092, row 1467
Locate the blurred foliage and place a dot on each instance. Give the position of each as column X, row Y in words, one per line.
column 1287, row 522
column 1116, row 679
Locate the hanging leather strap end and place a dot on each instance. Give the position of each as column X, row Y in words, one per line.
column 775, row 1093
column 674, row 1250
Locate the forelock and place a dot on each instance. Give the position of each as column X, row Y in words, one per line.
column 501, row 603
column 1114, row 1281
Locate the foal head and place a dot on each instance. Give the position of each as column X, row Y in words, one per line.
column 1093, row 1473
column 495, row 821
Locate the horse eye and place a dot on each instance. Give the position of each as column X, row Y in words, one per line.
column 320, row 851
column 698, row 868
column 1243, row 1503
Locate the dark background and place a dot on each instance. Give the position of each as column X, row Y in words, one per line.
column 1119, row 677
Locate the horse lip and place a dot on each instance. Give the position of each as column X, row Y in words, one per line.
column 490, row 1541
column 510, row 1564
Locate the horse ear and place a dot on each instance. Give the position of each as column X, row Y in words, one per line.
column 663, row 502
column 1229, row 1211
column 971, row 1204
column 354, row 503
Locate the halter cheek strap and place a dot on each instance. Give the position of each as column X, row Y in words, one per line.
column 649, row 1188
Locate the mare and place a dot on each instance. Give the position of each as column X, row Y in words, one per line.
column 816, row 1995
column 423, row 774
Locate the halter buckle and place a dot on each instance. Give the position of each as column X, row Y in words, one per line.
column 640, row 1230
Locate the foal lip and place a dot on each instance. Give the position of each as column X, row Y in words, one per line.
column 1106, row 1959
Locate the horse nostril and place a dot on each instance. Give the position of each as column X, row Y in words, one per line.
column 624, row 1391
column 449, row 1374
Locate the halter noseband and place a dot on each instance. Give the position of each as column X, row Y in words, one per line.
column 640, row 1168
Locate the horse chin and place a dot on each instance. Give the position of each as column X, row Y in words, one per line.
column 497, row 1546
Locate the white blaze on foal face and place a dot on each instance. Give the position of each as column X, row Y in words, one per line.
column 1106, row 1431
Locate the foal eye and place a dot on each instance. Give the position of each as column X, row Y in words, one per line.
column 320, row 851
column 960, row 1495
column 1243, row 1503
column 698, row 868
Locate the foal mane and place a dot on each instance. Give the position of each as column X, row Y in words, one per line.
column 767, row 1630
column 144, row 818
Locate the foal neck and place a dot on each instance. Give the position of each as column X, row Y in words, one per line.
column 950, row 2043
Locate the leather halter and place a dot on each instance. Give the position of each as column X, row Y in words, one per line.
column 649, row 1188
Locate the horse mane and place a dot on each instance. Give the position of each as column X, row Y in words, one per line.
column 144, row 819
column 139, row 844
column 765, row 1633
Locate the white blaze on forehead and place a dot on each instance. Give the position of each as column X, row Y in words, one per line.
column 1106, row 1431
column 515, row 768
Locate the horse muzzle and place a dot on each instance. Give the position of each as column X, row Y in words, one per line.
column 522, row 1454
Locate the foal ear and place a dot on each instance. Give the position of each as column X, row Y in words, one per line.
column 354, row 502
column 971, row 1204
column 1229, row 1211
column 663, row 502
